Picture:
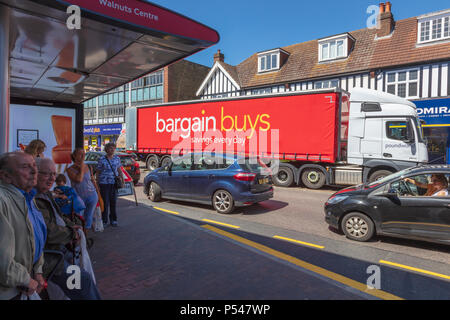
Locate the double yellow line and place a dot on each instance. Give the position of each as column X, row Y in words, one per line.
column 318, row 270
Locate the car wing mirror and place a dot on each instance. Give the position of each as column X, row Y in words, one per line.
column 391, row 194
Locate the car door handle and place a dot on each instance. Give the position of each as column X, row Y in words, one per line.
column 387, row 155
column 211, row 176
column 448, row 206
column 185, row 176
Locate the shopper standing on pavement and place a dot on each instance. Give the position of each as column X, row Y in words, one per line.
column 36, row 148
column 22, row 228
column 108, row 170
column 82, row 180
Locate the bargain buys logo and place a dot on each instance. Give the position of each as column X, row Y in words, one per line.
column 190, row 125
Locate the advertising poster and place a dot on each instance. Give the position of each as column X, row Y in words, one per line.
column 54, row 126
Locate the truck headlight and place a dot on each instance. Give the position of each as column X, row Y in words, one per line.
column 336, row 199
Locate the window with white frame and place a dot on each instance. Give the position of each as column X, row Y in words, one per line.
column 403, row 83
column 269, row 61
column 333, row 48
column 326, row 84
column 434, row 28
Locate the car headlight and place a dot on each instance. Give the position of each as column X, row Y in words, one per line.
column 336, row 199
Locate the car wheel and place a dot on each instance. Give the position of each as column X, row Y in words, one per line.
column 223, row 201
column 313, row 178
column 284, row 177
column 154, row 192
column 357, row 226
column 378, row 175
column 165, row 161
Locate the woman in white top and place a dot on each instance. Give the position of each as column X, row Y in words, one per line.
column 437, row 188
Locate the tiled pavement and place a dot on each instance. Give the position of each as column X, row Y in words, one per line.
column 153, row 255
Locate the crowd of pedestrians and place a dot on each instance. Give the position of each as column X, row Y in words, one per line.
column 44, row 227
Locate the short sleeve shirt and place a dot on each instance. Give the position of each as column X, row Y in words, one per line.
column 106, row 173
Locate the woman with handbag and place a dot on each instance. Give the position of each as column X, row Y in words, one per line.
column 110, row 179
column 82, row 181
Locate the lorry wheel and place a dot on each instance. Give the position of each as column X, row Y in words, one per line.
column 357, row 226
column 154, row 192
column 223, row 202
column 313, row 178
column 152, row 162
column 284, row 177
column 165, row 161
column 378, row 175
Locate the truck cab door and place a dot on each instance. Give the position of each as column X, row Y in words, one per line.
column 371, row 144
column 399, row 141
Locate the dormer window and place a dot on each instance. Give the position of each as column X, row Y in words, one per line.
column 336, row 47
column 434, row 27
column 271, row 60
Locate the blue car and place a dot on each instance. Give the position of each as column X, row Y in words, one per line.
column 225, row 181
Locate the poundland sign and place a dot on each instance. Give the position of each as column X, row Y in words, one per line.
column 434, row 112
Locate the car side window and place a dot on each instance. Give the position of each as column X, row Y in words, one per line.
column 424, row 185
column 182, row 164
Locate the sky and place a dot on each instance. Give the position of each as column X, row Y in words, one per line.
column 249, row 26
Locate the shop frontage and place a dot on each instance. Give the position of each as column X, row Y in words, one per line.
column 435, row 114
column 95, row 137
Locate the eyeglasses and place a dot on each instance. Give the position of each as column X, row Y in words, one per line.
column 48, row 174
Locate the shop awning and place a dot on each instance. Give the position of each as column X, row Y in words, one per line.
column 119, row 41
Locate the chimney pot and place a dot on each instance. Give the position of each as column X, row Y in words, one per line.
column 382, row 7
column 219, row 56
column 388, row 6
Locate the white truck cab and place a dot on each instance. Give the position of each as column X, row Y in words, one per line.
column 384, row 134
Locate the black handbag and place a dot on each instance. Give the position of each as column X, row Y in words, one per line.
column 118, row 182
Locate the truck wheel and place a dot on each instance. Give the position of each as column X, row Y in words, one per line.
column 313, row 178
column 154, row 192
column 284, row 177
column 152, row 162
column 378, row 175
column 223, row 202
column 357, row 226
column 165, row 161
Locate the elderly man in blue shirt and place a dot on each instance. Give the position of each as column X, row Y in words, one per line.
column 23, row 231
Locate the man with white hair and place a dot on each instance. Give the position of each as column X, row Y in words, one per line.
column 22, row 228
column 62, row 234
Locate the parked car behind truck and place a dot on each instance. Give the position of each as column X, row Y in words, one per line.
column 326, row 137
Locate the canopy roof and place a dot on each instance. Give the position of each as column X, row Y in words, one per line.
column 119, row 41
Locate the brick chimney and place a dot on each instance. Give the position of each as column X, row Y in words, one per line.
column 386, row 20
column 219, row 57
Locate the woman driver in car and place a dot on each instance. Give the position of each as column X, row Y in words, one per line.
column 437, row 188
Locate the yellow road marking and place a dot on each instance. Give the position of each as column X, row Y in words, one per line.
column 221, row 223
column 323, row 272
column 415, row 269
column 300, row 242
column 165, row 210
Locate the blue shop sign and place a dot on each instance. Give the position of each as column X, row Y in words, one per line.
column 434, row 112
column 100, row 130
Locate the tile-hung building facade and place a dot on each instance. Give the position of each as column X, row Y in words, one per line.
column 105, row 116
column 409, row 58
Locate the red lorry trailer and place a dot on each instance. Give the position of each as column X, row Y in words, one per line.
column 302, row 130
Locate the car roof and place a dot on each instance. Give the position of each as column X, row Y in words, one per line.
column 430, row 168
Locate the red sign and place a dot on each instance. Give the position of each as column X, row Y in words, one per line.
column 127, row 177
column 293, row 127
column 147, row 15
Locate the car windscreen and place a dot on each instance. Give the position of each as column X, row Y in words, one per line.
column 126, row 160
column 389, row 178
